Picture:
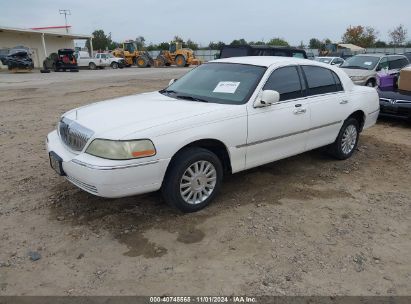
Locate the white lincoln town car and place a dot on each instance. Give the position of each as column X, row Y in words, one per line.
column 222, row 117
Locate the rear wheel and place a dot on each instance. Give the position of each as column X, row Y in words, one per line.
column 180, row 61
column 142, row 62
column 347, row 140
column 192, row 180
column 92, row 66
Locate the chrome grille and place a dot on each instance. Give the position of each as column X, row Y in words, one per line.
column 73, row 135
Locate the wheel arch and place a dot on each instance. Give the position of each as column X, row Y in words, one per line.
column 214, row 145
column 359, row 115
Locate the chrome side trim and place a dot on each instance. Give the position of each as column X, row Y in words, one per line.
column 287, row 135
column 373, row 112
column 95, row 167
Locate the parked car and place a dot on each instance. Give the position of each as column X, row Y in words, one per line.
column 362, row 69
column 337, row 61
column 310, row 55
column 63, row 60
column 395, row 102
column 408, row 55
column 222, row 117
column 229, row 51
column 110, row 60
column 18, row 57
column 84, row 60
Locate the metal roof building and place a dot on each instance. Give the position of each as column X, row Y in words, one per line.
column 41, row 41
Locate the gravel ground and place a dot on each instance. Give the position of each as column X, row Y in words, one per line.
column 307, row 225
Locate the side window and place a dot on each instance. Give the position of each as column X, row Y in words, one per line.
column 338, row 83
column 397, row 63
column 321, row 80
column 285, row 81
column 298, row 55
column 383, row 64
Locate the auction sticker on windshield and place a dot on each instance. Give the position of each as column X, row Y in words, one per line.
column 226, row 87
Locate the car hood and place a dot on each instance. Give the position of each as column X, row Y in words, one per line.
column 359, row 72
column 120, row 117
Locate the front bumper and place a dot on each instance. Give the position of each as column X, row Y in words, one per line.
column 360, row 82
column 392, row 108
column 108, row 178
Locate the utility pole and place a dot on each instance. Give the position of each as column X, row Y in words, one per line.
column 66, row 13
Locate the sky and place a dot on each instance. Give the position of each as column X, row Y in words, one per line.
column 211, row 20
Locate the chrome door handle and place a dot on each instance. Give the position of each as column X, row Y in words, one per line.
column 299, row 111
column 344, row 101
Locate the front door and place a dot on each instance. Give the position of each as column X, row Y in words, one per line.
column 279, row 130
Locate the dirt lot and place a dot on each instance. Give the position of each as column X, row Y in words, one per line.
column 308, row 225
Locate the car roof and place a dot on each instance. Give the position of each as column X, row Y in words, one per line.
column 266, row 61
column 380, row 55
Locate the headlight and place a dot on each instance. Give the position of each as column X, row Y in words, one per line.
column 357, row 78
column 121, row 150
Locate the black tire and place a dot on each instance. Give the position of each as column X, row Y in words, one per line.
column 114, row 65
column 177, row 168
column 180, row 61
column 142, row 62
column 54, row 67
column 371, row 83
column 44, row 71
column 337, row 149
column 162, row 61
column 92, row 66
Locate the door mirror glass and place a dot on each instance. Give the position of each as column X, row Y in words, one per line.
column 268, row 97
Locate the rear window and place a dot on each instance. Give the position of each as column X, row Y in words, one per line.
column 321, row 80
column 234, row 52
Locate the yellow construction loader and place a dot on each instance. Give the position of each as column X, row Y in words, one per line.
column 132, row 56
column 177, row 55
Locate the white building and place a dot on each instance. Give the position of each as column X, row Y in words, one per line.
column 41, row 41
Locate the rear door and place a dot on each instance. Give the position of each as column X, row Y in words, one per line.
column 329, row 105
column 279, row 130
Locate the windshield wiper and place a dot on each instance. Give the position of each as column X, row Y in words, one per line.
column 187, row 97
column 168, row 91
column 354, row 67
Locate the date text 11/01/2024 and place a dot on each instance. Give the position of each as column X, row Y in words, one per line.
column 202, row 299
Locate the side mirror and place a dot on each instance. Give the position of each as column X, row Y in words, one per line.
column 268, row 97
column 171, row 82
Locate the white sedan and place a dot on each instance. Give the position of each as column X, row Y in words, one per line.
column 222, row 117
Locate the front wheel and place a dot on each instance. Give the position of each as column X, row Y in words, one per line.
column 114, row 65
column 192, row 180
column 371, row 83
column 347, row 140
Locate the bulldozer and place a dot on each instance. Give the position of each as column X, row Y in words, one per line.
column 132, row 56
column 177, row 55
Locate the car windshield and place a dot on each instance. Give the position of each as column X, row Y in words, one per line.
column 361, row 62
column 110, row 56
column 225, row 83
column 324, row 60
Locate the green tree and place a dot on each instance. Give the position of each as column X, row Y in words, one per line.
column 101, row 41
column 241, row 41
column 380, row 44
column 191, row 45
column 278, row 41
column 163, row 46
column 315, row 43
column 360, row 35
column 216, row 45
